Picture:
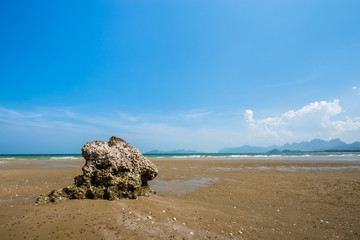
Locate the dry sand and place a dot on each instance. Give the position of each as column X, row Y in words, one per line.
column 241, row 199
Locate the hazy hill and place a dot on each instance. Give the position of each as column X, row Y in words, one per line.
column 313, row 145
column 349, row 147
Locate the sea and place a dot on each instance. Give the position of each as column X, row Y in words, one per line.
column 303, row 156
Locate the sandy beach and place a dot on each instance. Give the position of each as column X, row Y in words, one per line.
column 196, row 199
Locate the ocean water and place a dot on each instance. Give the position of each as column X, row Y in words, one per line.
column 312, row 156
column 41, row 161
column 54, row 157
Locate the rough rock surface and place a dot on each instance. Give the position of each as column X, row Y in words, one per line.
column 113, row 170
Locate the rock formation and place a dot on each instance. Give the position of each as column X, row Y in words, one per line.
column 113, row 170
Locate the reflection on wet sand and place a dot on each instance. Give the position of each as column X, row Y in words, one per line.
column 180, row 186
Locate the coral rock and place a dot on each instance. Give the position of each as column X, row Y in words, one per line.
column 113, row 170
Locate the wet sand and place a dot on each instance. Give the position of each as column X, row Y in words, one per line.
column 232, row 199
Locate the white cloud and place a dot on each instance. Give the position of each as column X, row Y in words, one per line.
column 11, row 114
column 8, row 112
column 42, row 120
column 356, row 89
column 249, row 116
column 310, row 121
column 127, row 117
column 292, row 83
column 350, row 124
column 151, row 132
column 199, row 130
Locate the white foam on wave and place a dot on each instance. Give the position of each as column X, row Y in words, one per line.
column 265, row 156
column 11, row 158
column 342, row 155
column 187, row 156
column 304, row 157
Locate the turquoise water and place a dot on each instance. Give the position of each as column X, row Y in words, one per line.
column 311, row 156
column 77, row 161
column 336, row 156
column 40, row 156
column 41, row 160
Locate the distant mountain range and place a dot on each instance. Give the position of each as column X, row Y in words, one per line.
column 316, row 145
column 305, row 146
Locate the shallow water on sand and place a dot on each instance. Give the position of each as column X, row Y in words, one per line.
column 181, row 186
column 289, row 168
column 188, row 183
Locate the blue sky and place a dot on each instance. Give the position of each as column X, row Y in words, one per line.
column 169, row 75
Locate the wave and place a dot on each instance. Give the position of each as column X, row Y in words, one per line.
column 11, row 158
column 187, row 156
column 295, row 156
column 344, row 155
column 66, row 158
